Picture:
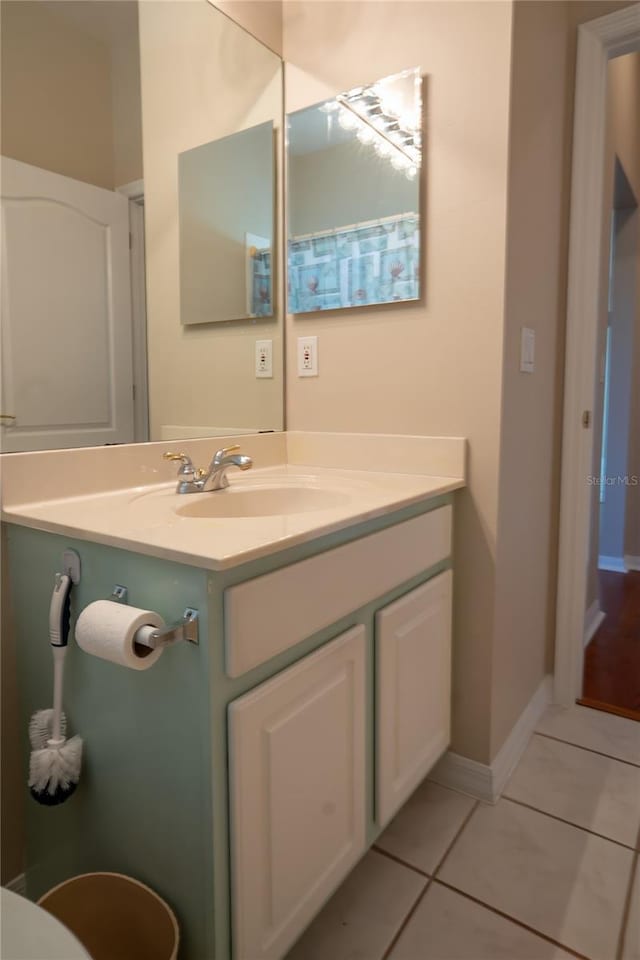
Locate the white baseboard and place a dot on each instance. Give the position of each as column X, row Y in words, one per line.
column 18, row 885
column 486, row 782
column 614, row 564
column 632, row 563
column 514, row 746
column 464, row 775
column 593, row 618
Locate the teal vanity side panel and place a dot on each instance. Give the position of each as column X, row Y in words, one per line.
column 144, row 803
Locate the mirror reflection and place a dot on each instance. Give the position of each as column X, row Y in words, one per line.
column 354, row 197
column 226, row 236
column 97, row 346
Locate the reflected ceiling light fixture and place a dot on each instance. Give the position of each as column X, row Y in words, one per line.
column 330, row 106
column 366, row 135
column 347, row 119
column 386, row 118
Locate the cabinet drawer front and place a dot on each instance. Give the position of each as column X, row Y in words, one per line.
column 297, row 794
column 267, row 615
column 413, row 669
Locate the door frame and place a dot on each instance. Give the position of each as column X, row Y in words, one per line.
column 139, row 322
column 134, row 191
column 598, row 42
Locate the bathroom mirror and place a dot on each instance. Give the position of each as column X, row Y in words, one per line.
column 115, row 115
column 226, row 236
column 353, row 177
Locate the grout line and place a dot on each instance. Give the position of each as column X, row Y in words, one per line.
column 455, row 839
column 419, row 870
column 626, row 913
column 570, row 823
column 406, row 920
column 403, row 863
column 512, row 919
column 579, row 746
column 415, row 906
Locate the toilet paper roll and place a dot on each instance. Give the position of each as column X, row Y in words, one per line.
column 107, row 629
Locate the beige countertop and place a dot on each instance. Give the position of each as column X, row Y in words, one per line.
column 151, row 519
column 302, row 486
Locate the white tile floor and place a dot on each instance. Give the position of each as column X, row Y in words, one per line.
column 550, row 872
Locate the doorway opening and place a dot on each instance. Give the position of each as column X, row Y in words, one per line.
column 602, row 45
column 611, row 678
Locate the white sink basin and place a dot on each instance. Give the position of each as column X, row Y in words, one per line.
column 240, row 501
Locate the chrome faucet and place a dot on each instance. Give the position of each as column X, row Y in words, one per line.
column 191, row 480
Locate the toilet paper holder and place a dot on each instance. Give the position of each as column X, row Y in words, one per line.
column 185, row 629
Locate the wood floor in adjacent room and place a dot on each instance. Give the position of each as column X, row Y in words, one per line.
column 612, row 658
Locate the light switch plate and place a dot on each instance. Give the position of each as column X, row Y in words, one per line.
column 527, row 350
column 264, row 359
column 307, row 356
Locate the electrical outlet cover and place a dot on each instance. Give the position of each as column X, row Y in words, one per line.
column 264, row 359
column 307, row 356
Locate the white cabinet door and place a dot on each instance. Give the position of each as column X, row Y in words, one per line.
column 297, row 792
column 413, row 667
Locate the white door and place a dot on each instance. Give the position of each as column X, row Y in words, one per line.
column 413, row 669
column 66, row 312
column 297, row 790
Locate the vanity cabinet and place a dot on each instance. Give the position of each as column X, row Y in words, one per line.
column 413, row 691
column 297, row 794
column 316, row 700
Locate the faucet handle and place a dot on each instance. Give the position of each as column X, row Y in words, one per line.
column 225, row 451
column 175, row 456
column 186, row 469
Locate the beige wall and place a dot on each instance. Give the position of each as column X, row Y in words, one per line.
column 451, row 365
column 202, row 78
column 433, row 368
column 214, row 224
column 126, row 99
column 262, row 18
column 71, row 88
column 56, row 94
column 343, row 185
column 534, row 297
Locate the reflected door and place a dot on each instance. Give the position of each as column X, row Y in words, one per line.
column 66, row 312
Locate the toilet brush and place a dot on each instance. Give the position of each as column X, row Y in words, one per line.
column 54, row 768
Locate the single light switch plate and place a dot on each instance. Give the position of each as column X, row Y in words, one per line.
column 527, row 350
column 264, row 359
column 307, row 356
